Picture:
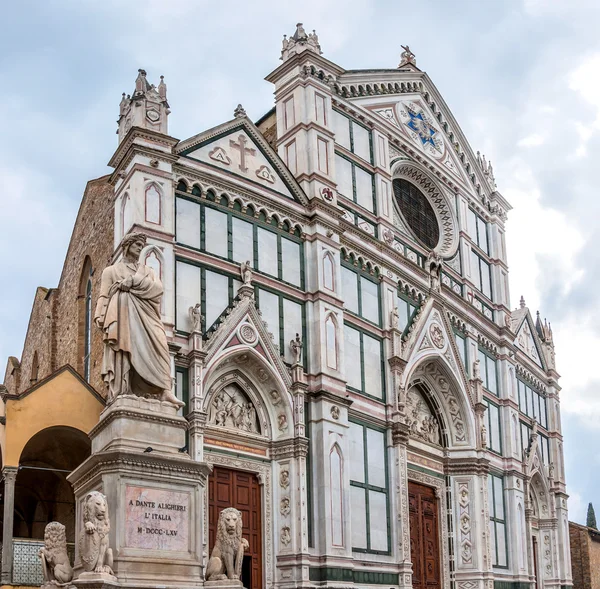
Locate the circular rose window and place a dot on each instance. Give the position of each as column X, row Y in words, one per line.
column 417, row 212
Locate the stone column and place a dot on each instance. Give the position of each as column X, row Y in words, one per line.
column 399, row 440
column 10, row 475
column 196, row 416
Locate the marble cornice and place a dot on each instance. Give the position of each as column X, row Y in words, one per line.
column 123, row 462
column 458, row 466
column 331, row 397
column 291, row 448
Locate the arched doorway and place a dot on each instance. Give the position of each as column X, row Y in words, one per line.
column 42, row 492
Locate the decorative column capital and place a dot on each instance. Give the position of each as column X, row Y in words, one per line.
column 9, row 474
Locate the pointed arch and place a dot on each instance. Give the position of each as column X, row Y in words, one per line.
column 328, row 271
column 153, row 196
column 85, row 311
column 332, row 351
column 35, row 368
column 336, row 486
column 126, row 214
column 153, row 257
column 452, row 403
column 260, row 382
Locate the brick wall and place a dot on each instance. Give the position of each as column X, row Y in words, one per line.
column 55, row 331
column 585, row 556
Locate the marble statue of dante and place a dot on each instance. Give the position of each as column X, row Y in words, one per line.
column 136, row 355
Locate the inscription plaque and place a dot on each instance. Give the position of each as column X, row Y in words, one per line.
column 157, row 519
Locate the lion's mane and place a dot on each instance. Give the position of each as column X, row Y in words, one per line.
column 102, row 525
column 225, row 541
column 55, row 539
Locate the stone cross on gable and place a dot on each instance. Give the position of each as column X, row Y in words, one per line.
column 241, row 146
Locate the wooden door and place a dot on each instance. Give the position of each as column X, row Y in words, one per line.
column 424, row 537
column 233, row 488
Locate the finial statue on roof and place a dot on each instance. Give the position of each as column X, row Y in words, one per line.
column 486, row 168
column 300, row 41
column 522, row 302
column 239, row 112
column 407, row 57
column 162, row 88
column 300, row 33
column 123, row 105
column 141, row 84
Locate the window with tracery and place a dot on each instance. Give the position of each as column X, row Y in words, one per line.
column 417, row 212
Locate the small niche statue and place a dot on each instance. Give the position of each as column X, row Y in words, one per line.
column 136, row 354
column 96, row 555
column 228, row 553
column 56, row 567
column 246, row 273
column 195, row 314
column 296, row 348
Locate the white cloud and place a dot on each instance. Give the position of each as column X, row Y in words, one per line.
column 530, row 233
column 533, row 140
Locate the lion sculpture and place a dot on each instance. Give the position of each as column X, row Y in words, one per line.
column 96, row 556
column 227, row 555
column 56, row 566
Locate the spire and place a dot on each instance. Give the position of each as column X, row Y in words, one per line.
column 522, row 302
column 162, row 89
column 141, row 83
column 488, row 171
column 151, row 107
column 407, row 58
column 300, row 41
column 123, row 104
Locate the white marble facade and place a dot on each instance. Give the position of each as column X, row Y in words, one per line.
column 413, row 368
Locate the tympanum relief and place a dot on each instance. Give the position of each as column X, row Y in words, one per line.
column 422, row 423
column 232, row 408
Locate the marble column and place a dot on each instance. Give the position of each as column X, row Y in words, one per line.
column 9, row 474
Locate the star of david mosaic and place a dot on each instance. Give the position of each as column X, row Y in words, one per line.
column 421, row 127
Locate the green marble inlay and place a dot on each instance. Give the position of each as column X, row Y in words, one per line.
column 319, row 574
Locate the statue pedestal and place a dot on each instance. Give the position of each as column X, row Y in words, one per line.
column 224, row 584
column 154, row 493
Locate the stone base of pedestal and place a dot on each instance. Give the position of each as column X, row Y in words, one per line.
column 154, row 493
column 135, row 423
column 223, row 584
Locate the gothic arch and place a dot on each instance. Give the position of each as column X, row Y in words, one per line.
column 451, row 402
column 336, row 483
column 126, row 217
column 85, row 313
column 260, row 382
column 540, row 497
column 145, row 255
column 153, row 203
column 332, row 348
column 329, row 281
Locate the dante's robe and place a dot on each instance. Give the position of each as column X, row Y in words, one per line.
column 136, row 355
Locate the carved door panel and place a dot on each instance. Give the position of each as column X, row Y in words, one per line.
column 424, row 537
column 232, row 488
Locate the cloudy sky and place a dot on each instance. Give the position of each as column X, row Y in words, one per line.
column 522, row 77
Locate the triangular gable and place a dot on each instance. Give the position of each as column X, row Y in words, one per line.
column 527, row 340
column 432, row 335
column 239, row 148
column 414, row 119
column 242, row 327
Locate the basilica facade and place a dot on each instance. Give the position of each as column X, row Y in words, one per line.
column 337, row 310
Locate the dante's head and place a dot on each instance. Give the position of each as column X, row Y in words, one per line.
column 133, row 244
